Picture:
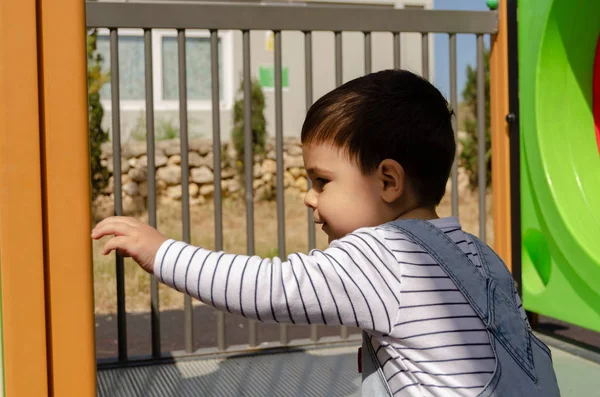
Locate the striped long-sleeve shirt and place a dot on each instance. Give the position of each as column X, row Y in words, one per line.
column 428, row 339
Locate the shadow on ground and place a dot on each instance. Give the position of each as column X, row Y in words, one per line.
column 172, row 332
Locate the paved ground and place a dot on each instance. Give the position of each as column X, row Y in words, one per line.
column 576, row 375
column 322, row 372
column 326, row 372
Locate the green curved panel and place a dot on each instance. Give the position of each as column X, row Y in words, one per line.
column 560, row 163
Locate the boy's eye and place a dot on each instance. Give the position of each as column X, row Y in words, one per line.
column 321, row 182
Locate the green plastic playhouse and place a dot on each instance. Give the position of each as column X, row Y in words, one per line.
column 559, row 88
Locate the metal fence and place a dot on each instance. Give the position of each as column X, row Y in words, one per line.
column 277, row 18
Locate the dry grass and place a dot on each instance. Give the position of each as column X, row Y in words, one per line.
column 137, row 282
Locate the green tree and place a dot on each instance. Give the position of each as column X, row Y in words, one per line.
column 468, row 155
column 258, row 122
column 96, row 79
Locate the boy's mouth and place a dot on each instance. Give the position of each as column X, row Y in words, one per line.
column 322, row 223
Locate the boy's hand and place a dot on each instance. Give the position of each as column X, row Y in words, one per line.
column 131, row 238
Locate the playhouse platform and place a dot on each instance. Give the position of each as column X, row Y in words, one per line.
column 317, row 372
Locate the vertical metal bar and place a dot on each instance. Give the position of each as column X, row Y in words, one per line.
column 514, row 142
column 338, row 59
column 368, row 52
column 151, row 196
column 314, row 330
column 314, row 333
column 185, row 171
column 283, row 334
column 248, row 164
column 279, row 148
column 454, row 104
column 252, row 337
column 425, row 55
column 338, row 82
column 481, row 135
column 118, row 202
column 216, row 126
column 397, row 50
column 248, row 147
column 308, row 73
column 218, row 194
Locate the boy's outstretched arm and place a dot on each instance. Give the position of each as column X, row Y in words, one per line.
column 349, row 283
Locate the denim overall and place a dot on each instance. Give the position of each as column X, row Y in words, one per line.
column 523, row 362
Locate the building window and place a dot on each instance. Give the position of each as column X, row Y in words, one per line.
column 131, row 67
column 198, row 72
column 166, row 69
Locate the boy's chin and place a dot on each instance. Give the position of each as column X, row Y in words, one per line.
column 331, row 235
column 331, row 238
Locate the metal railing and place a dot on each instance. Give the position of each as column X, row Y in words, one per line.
column 277, row 18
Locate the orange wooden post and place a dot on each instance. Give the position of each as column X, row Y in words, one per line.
column 21, row 216
column 500, row 138
column 70, row 309
column 45, row 249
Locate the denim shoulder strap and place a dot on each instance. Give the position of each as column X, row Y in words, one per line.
column 488, row 297
column 471, row 282
column 496, row 269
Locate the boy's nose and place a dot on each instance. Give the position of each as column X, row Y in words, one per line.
column 310, row 199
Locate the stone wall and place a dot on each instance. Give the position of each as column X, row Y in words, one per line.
column 134, row 176
column 134, row 172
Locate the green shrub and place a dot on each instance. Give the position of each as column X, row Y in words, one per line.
column 96, row 79
column 468, row 155
column 138, row 132
column 166, row 129
column 258, row 122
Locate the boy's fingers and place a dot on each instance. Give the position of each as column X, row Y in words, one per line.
column 130, row 221
column 112, row 227
column 116, row 243
column 117, row 219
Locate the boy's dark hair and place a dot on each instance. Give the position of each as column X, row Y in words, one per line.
column 391, row 114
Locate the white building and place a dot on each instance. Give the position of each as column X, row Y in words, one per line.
column 131, row 60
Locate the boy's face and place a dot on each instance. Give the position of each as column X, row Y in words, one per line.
column 341, row 197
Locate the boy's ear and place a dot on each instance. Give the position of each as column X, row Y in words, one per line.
column 393, row 180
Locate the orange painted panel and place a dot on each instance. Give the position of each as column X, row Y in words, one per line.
column 21, row 225
column 69, row 285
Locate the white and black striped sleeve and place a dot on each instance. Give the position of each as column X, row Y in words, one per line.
column 352, row 282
